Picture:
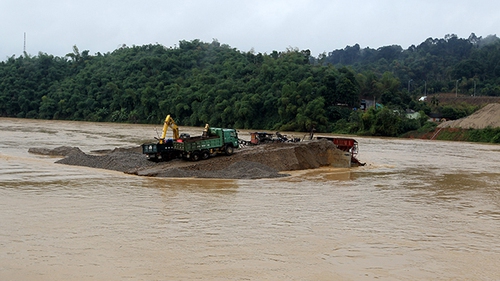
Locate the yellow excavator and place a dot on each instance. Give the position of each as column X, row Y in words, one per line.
column 169, row 122
column 163, row 150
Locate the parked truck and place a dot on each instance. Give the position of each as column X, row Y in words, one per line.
column 213, row 141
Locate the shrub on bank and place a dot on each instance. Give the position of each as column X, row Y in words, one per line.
column 487, row 135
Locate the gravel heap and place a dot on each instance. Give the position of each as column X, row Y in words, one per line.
column 58, row 151
column 119, row 159
column 237, row 170
column 488, row 116
column 252, row 162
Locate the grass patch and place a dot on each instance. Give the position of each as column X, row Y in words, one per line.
column 487, row 135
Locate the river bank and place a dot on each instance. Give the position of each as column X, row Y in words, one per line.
column 481, row 126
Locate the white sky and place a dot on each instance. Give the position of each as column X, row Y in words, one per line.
column 54, row 26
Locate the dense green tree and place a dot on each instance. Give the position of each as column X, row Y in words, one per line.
column 386, row 122
column 200, row 83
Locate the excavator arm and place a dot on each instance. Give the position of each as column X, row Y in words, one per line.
column 169, row 122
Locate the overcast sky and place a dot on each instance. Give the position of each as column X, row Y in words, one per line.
column 54, row 26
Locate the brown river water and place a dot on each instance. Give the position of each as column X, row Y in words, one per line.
column 419, row 210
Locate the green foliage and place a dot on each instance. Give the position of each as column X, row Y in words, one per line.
column 213, row 83
column 433, row 66
column 457, row 111
column 496, row 138
column 491, row 135
column 484, row 135
column 197, row 83
column 381, row 122
column 427, row 127
column 386, row 123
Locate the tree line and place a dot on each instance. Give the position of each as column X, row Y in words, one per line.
column 199, row 82
column 434, row 66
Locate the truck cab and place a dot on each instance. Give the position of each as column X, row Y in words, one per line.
column 228, row 136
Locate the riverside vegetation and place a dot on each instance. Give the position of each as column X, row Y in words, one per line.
column 200, row 83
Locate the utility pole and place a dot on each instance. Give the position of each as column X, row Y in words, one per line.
column 24, row 49
column 456, row 88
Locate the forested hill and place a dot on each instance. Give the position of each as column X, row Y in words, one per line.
column 435, row 64
column 198, row 83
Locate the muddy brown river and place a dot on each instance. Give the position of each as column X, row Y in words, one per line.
column 419, row 210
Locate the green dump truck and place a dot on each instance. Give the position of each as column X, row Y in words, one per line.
column 213, row 141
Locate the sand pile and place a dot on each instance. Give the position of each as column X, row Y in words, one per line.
column 488, row 116
column 264, row 161
column 280, row 156
column 58, row 151
column 236, row 170
column 119, row 159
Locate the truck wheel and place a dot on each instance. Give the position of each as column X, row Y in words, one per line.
column 205, row 154
column 229, row 150
column 195, row 156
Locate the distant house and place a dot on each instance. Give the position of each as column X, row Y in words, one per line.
column 365, row 104
column 436, row 117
